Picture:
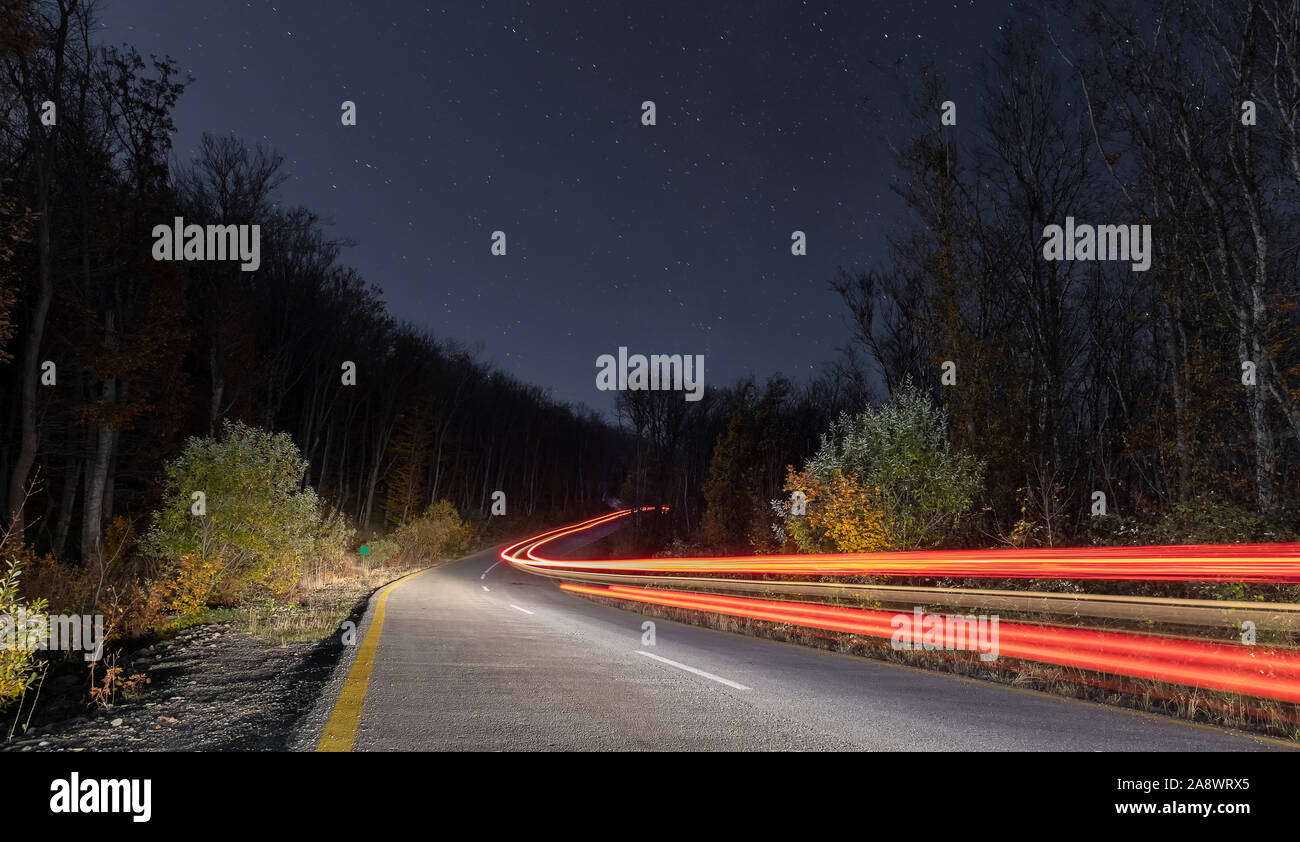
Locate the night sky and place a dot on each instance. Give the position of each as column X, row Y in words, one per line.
column 526, row 117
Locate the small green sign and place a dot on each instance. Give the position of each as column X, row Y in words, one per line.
column 365, row 549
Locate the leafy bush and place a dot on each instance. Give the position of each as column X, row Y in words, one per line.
column 116, row 586
column 1205, row 519
column 438, row 533
column 382, row 551
column 19, row 667
column 334, row 543
column 841, row 516
column 895, row 460
column 66, row 588
column 260, row 525
column 187, row 582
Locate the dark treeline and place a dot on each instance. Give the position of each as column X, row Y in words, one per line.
column 1172, row 391
column 718, row 462
column 1154, row 387
column 146, row 353
column 1158, row 388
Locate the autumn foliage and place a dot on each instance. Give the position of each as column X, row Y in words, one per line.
column 841, row 515
column 885, row 478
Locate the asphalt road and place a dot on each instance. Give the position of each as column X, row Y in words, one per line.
column 480, row 656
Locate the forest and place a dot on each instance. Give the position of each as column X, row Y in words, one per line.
column 1172, row 392
column 987, row 396
column 146, row 353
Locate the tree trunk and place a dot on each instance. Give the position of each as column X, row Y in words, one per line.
column 32, row 359
column 71, row 476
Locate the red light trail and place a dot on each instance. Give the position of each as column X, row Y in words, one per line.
column 1258, row 563
column 1269, row 673
column 1264, row 672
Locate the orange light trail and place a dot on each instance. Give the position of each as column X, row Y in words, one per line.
column 1262, row 672
column 1277, row 563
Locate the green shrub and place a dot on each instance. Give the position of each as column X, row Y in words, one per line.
column 900, row 452
column 333, row 546
column 260, row 527
column 382, row 551
column 19, row 666
column 438, row 533
column 1205, row 519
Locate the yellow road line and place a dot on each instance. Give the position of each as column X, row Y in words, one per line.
column 341, row 730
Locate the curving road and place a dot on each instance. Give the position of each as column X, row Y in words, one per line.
column 478, row 655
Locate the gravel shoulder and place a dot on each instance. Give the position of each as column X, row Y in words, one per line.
column 212, row 687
